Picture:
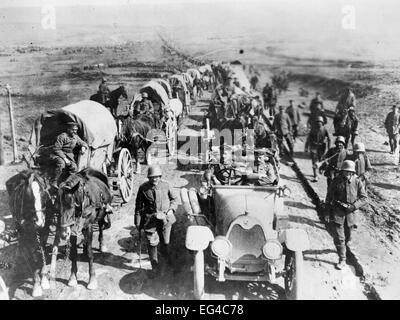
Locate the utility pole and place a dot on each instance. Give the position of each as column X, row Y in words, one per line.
column 11, row 112
column 2, row 160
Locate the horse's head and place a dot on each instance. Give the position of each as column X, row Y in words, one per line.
column 29, row 197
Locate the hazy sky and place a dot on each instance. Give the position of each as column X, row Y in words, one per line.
column 316, row 23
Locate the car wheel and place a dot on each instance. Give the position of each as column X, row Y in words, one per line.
column 198, row 275
column 294, row 270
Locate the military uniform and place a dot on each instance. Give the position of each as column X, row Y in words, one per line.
column 63, row 148
column 316, row 144
column 294, row 115
column 314, row 103
column 150, row 201
column 344, row 199
column 104, row 92
column 283, row 126
column 334, row 164
column 392, row 125
column 353, row 124
column 314, row 116
column 362, row 166
column 144, row 107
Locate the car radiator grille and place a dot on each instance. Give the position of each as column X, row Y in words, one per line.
column 246, row 245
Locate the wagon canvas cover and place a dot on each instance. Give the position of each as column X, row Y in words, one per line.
column 96, row 124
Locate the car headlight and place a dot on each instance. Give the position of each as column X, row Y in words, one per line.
column 221, row 247
column 272, row 250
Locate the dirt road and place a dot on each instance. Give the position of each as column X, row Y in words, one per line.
column 122, row 275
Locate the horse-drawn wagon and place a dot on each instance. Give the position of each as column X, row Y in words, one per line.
column 241, row 233
column 167, row 113
column 97, row 127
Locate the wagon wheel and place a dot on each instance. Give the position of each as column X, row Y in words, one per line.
column 229, row 176
column 294, row 270
column 171, row 136
column 125, row 172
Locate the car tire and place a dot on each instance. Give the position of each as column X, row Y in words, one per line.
column 198, row 275
column 294, row 274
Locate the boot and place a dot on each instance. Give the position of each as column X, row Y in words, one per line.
column 315, row 179
column 342, row 257
column 154, row 262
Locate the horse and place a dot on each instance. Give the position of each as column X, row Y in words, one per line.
column 133, row 134
column 34, row 209
column 113, row 101
column 85, row 199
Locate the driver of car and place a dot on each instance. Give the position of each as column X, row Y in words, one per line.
column 263, row 172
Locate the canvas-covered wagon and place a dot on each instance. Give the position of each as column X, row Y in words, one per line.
column 97, row 127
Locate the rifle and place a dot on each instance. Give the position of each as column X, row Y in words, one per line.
column 319, row 163
column 341, row 204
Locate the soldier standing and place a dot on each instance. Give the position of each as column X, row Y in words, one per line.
column 361, row 160
column 345, row 196
column 62, row 155
column 294, row 115
column 318, row 112
column 104, row 91
column 392, row 125
column 283, row 126
column 334, row 159
column 156, row 204
column 314, row 102
column 353, row 124
column 316, row 144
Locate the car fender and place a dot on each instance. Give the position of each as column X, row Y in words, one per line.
column 198, row 238
column 296, row 239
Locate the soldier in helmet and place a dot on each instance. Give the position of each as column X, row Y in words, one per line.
column 294, row 115
column 346, row 195
column 392, row 125
column 361, row 160
column 62, row 155
column 145, row 106
column 316, row 143
column 353, row 123
column 283, row 127
column 333, row 159
column 156, row 204
column 104, row 91
column 318, row 112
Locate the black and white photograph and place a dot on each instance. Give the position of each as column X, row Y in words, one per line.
column 201, row 150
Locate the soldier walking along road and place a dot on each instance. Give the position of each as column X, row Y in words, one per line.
column 318, row 112
column 345, row 196
column 363, row 165
column 314, row 102
column 333, row 160
column 353, row 124
column 283, row 127
column 392, row 125
column 316, row 143
column 294, row 115
column 156, row 204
